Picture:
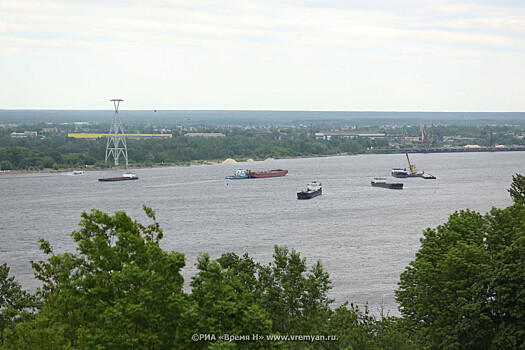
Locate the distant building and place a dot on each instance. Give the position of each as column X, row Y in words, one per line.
column 49, row 130
column 24, row 134
column 205, row 134
column 131, row 136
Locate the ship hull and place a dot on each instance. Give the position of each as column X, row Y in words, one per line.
column 399, row 173
column 111, row 179
column 390, row 185
column 269, row 173
column 309, row 194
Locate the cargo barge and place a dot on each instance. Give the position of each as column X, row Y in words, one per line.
column 266, row 173
column 124, row 177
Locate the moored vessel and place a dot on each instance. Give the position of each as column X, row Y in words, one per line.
column 124, row 177
column 238, row 174
column 266, row 173
column 313, row 189
column 399, row 173
column 381, row 182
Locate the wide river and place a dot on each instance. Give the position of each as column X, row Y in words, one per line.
column 364, row 236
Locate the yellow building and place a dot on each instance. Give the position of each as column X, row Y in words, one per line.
column 131, row 136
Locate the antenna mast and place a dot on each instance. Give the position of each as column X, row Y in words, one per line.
column 116, row 138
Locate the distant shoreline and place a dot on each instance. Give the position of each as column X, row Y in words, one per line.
column 130, row 168
column 215, row 162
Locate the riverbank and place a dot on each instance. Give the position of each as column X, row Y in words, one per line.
column 132, row 167
column 248, row 160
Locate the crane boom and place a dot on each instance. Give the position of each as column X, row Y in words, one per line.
column 410, row 166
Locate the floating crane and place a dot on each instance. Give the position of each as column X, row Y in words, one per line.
column 413, row 172
column 412, row 167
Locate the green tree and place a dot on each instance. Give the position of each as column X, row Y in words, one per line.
column 465, row 288
column 517, row 188
column 119, row 291
column 296, row 299
column 6, row 165
column 222, row 305
column 15, row 303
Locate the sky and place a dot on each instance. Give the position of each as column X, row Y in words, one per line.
column 330, row 55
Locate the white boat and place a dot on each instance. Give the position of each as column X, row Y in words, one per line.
column 78, row 172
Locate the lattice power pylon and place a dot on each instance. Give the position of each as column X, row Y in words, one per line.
column 116, row 145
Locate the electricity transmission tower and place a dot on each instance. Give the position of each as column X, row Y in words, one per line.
column 116, row 145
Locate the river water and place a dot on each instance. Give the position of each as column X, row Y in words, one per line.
column 364, row 236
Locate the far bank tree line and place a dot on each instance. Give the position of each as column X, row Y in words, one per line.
column 58, row 152
column 120, row 290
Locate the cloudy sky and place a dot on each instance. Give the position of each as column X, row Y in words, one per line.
column 354, row 55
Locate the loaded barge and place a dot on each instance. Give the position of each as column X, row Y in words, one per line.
column 266, row 173
column 124, row 177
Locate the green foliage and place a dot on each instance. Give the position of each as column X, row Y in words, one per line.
column 119, row 291
column 6, row 165
column 15, row 303
column 296, row 300
column 37, row 334
column 358, row 330
column 465, row 288
column 223, row 306
column 517, row 189
column 59, row 151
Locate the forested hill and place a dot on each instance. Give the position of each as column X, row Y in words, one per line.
column 255, row 118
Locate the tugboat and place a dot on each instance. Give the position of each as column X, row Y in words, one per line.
column 381, row 182
column 266, row 173
column 313, row 189
column 124, row 177
column 238, row 174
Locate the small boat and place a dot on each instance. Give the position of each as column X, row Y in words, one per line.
column 313, row 189
column 266, row 173
column 238, row 174
column 427, row 176
column 399, row 173
column 124, row 177
column 381, row 182
column 78, row 172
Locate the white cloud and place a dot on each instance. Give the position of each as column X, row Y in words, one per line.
column 241, row 36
